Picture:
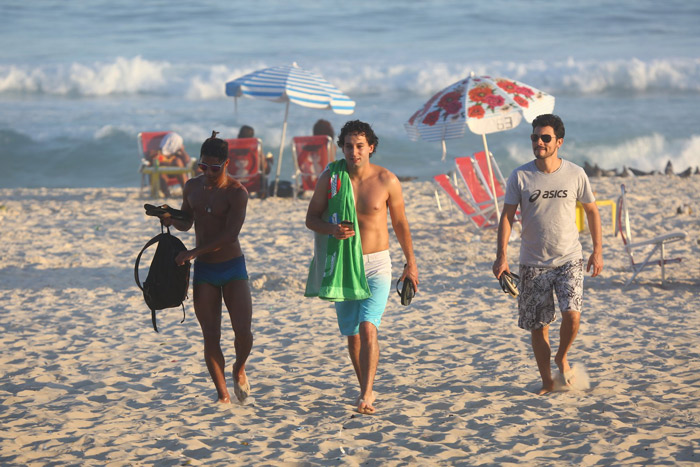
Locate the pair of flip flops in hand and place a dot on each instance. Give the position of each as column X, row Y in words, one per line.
column 509, row 283
column 407, row 291
column 165, row 211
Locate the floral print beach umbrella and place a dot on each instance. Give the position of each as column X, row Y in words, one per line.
column 484, row 104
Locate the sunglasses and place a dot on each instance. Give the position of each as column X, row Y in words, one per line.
column 214, row 168
column 544, row 138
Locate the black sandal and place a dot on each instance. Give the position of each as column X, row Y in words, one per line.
column 407, row 291
column 158, row 211
column 509, row 283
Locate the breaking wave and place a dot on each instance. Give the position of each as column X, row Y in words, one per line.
column 127, row 76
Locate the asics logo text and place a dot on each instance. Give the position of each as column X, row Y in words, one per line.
column 548, row 194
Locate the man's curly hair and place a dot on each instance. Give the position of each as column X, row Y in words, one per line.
column 361, row 128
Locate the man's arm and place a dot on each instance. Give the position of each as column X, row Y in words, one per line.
column 182, row 225
column 505, row 226
column 594, row 225
column 399, row 222
column 317, row 206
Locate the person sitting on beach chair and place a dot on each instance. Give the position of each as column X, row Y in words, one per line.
column 171, row 152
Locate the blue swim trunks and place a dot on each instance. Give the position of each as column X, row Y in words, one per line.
column 219, row 274
column 353, row 312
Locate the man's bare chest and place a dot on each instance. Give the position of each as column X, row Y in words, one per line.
column 370, row 198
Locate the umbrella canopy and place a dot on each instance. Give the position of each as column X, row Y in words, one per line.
column 290, row 83
column 484, row 104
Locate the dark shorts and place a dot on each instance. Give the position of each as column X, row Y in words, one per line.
column 537, row 287
column 219, row 274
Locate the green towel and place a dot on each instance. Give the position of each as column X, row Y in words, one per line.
column 337, row 270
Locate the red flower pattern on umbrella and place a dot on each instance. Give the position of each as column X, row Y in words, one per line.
column 451, row 102
column 521, row 100
column 508, row 86
column 476, row 111
column 525, row 91
column 494, row 101
column 424, row 109
column 432, row 118
column 479, row 93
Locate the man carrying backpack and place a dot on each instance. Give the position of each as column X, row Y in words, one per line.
column 216, row 203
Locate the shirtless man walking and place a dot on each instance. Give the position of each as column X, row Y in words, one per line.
column 375, row 190
column 216, row 203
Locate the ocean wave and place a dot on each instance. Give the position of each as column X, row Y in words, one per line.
column 122, row 76
column 647, row 153
column 125, row 76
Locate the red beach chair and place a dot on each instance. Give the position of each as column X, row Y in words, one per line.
column 476, row 216
column 246, row 163
column 311, row 156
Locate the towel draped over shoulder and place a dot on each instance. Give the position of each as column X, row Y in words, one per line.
column 337, row 270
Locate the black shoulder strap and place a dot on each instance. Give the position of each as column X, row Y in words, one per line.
column 155, row 239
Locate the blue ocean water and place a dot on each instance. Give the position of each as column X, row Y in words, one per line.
column 79, row 80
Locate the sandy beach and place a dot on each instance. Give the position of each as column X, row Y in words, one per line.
column 84, row 379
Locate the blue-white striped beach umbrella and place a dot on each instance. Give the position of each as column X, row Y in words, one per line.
column 290, row 83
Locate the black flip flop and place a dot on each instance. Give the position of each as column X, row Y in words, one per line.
column 407, row 292
column 509, row 283
column 158, row 211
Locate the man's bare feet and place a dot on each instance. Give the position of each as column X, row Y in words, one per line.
column 364, row 405
column 545, row 390
column 569, row 377
column 359, row 398
column 365, row 408
column 241, row 387
column 567, row 373
column 224, row 400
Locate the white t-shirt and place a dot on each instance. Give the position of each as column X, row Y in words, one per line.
column 170, row 144
column 548, row 210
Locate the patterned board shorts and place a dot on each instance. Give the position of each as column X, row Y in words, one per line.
column 537, row 287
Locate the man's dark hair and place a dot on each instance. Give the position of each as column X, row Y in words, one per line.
column 550, row 120
column 323, row 127
column 214, row 147
column 246, row 131
column 361, row 128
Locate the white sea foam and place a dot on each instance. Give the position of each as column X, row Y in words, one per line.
column 138, row 75
column 122, row 76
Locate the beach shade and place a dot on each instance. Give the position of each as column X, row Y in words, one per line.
column 484, row 104
column 290, row 83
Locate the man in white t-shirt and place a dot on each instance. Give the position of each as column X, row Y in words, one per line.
column 551, row 257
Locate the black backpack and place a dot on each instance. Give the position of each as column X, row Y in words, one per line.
column 167, row 283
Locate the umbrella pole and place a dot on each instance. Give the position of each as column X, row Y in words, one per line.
column 491, row 178
column 279, row 158
column 444, row 146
